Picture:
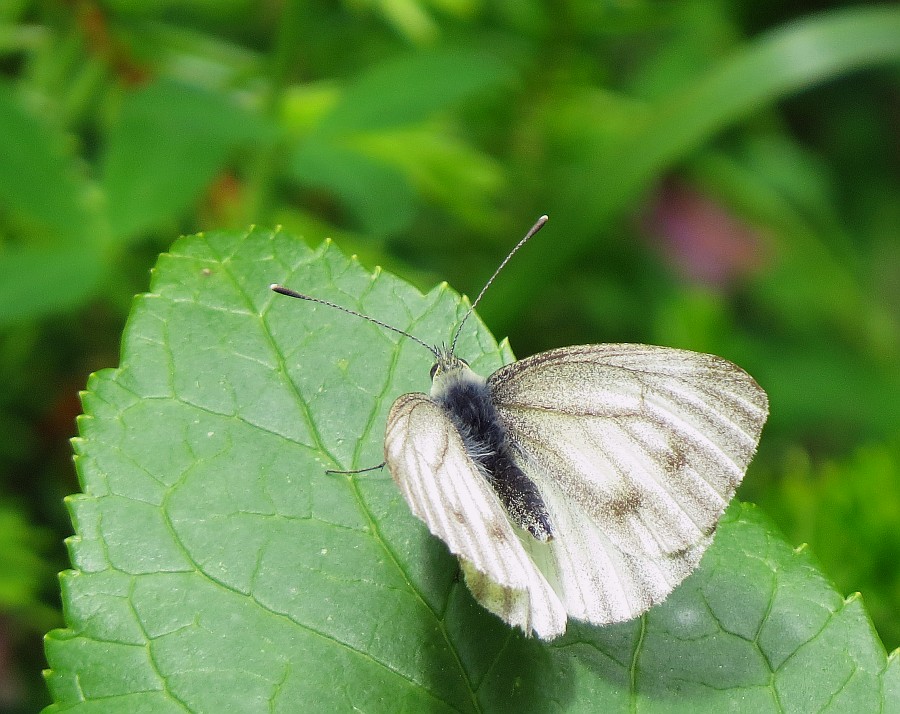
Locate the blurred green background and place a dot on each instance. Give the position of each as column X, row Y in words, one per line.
column 721, row 176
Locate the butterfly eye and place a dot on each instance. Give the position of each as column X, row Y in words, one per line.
column 434, row 369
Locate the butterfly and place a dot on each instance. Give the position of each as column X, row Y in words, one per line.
column 584, row 482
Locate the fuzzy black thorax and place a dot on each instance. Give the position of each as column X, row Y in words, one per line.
column 466, row 399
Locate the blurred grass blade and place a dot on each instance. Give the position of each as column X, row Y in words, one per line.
column 430, row 81
column 608, row 180
column 775, row 66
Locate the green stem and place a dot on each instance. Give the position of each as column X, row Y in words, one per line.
column 266, row 166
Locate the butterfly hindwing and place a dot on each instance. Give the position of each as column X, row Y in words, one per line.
column 444, row 488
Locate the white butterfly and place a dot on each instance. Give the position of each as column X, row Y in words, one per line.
column 582, row 482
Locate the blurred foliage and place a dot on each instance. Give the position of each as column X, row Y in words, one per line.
column 720, row 176
column 859, row 493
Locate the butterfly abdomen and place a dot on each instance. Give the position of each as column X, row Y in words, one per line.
column 466, row 399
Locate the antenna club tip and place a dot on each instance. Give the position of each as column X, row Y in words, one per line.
column 281, row 290
column 544, row 218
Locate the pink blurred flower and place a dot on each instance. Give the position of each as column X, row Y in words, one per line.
column 701, row 237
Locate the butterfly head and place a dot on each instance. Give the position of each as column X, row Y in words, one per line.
column 449, row 369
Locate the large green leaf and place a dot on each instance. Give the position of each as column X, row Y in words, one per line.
column 218, row 568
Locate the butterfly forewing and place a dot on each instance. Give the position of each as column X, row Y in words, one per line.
column 636, row 451
column 444, row 488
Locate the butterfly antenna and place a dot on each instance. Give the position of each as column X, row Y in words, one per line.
column 300, row 296
column 534, row 229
